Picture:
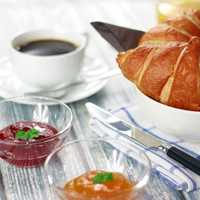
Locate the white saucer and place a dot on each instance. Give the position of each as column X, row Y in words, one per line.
column 11, row 86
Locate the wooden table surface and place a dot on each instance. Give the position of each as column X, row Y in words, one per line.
column 20, row 15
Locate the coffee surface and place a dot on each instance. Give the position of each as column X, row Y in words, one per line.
column 47, row 47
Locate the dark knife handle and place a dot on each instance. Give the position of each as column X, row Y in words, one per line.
column 185, row 159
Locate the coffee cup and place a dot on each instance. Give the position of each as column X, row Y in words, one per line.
column 50, row 71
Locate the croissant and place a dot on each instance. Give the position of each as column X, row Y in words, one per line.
column 166, row 64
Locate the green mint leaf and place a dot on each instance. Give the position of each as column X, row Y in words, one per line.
column 21, row 135
column 102, row 177
column 32, row 133
column 27, row 135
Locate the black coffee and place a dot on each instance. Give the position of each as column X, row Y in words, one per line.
column 47, row 47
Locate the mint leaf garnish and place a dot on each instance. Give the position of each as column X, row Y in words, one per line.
column 32, row 133
column 102, row 177
column 27, row 135
column 21, row 135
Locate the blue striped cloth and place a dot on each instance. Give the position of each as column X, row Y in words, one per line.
column 173, row 173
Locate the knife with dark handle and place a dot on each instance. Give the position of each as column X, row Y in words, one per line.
column 185, row 159
column 145, row 139
column 121, row 38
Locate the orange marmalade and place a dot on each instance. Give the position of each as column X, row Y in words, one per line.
column 99, row 185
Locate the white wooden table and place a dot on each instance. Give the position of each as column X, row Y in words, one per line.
column 17, row 16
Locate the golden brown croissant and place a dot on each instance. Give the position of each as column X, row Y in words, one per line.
column 166, row 64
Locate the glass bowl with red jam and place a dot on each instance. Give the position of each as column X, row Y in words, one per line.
column 31, row 128
column 97, row 169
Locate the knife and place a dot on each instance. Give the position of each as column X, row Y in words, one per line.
column 121, row 38
column 147, row 140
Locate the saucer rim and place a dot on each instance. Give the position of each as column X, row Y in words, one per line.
column 98, row 85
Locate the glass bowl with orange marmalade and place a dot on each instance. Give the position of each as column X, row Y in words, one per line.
column 97, row 169
column 172, row 8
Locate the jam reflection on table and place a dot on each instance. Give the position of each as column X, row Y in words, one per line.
column 99, row 185
column 23, row 151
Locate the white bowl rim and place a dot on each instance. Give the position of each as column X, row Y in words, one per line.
column 164, row 106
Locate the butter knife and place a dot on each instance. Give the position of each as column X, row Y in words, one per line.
column 147, row 140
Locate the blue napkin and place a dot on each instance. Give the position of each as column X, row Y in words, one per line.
column 172, row 172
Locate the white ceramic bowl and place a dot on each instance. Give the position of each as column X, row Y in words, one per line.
column 48, row 72
column 182, row 124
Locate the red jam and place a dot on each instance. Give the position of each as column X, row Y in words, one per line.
column 84, row 188
column 27, row 153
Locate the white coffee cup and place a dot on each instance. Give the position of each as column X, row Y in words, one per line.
column 52, row 71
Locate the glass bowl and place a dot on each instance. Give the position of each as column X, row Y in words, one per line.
column 78, row 157
column 32, row 153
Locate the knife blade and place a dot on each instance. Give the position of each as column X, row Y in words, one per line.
column 121, row 38
column 147, row 140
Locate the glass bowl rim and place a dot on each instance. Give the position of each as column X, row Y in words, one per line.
column 140, row 184
column 58, row 102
